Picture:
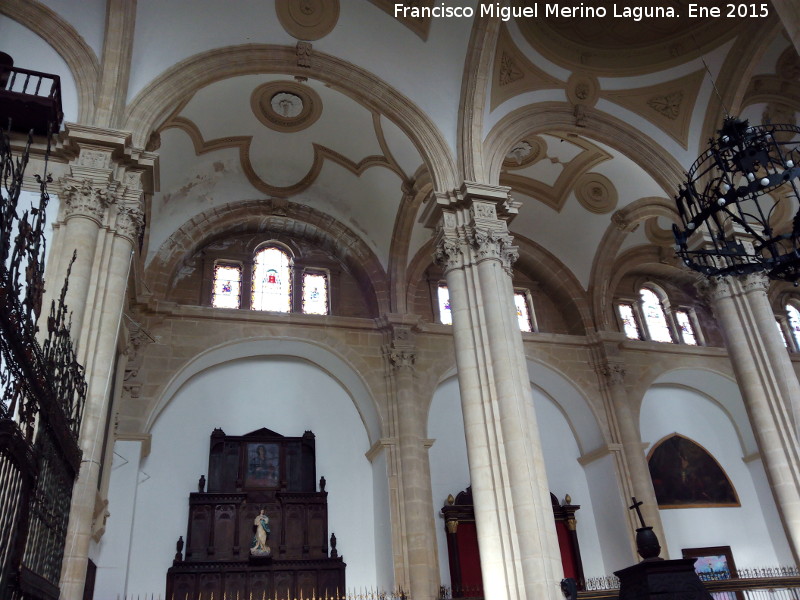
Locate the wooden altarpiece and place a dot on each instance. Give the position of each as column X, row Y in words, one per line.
column 262, row 470
column 462, row 543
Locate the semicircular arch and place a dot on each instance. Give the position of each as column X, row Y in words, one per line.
column 259, row 215
column 155, row 102
column 323, row 357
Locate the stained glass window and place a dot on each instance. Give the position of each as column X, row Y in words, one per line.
column 654, row 316
column 523, row 311
column 783, row 334
column 445, row 314
column 315, row 294
column 629, row 324
column 794, row 323
column 272, row 280
column 227, row 289
column 686, row 328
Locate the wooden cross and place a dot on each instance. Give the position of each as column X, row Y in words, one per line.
column 636, row 506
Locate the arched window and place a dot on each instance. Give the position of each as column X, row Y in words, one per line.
column 685, row 327
column 655, row 319
column 227, row 287
column 524, row 311
column 443, row 296
column 629, row 324
column 794, row 323
column 315, row 293
column 272, row 280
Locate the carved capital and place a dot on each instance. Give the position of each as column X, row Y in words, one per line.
column 493, row 245
column 85, row 199
column 613, row 372
column 402, row 358
column 754, row 282
column 448, row 254
column 452, row 527
column 130, row 220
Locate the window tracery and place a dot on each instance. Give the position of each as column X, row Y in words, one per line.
column 652, row 318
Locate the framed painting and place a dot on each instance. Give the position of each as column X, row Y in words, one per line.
column 712, row 564
column 263, row 466
column 686, row 475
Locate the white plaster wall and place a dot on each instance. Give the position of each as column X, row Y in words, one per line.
column 749, row 530
column 450, row 474
column 111, row 553
column 88, row 17
column 284, row 394
column 383, row 524
column 29, row 51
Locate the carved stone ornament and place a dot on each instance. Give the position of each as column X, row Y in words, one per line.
column 448, row 254
column 84, row 199
column 668, row 105
column 286, row 106
column 303, row 50
column 509, row 72
column 94, row 159
column 492, row 245
column 583, row 88
column 525, row 152
column 613, row 372
column 130, row 220
column 307, row 19
column 402, row 358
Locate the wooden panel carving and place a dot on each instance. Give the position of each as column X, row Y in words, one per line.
column 261, row 471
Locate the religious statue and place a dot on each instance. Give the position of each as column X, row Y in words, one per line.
column 259, row 546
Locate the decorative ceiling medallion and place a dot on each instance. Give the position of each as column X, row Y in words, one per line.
column 307, row 20
column 286, row 106
column 525, row 152
column 582, row 89
column 596, row 193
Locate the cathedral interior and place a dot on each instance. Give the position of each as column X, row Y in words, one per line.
column 441, row 244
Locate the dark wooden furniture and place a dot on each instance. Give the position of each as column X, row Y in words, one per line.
column 462, row 543
column 262, row 470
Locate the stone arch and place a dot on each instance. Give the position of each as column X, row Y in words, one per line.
column 605, row 268
column 558, row 116
column 69, row 44
column 155, row 102
column 262, row 215
column 339, row 367
column 719, row 388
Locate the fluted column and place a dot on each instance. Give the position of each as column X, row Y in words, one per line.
column 417, row 526
column 768, row 384
column 104, row 245
column 519, row 551
column 631, row 462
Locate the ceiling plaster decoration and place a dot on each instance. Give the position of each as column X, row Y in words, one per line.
column 621, row 47
column 286, row 106
column 555, row 196
column 419, row 25
column 525, row 152
column 667, row 105
column 596, row 193
column 514, row 73
column 321, row 154
column 307, row 20
column 771, row 88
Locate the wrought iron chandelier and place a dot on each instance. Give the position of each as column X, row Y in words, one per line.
column 737, row 200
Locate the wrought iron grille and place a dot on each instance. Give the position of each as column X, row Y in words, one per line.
column 42, row 394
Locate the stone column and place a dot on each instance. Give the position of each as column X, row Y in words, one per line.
column 630, row 460
column 97, row 301
column 416, row 527
column 768, row 384
column 520, row 557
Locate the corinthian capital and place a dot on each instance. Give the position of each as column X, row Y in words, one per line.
column 130, row 220
column 84, row 198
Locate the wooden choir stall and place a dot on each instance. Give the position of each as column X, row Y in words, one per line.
column 260, row 530
column 462, row 543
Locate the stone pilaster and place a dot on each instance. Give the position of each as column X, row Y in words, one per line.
column 419, row 572
column 102, row 214
column 629, row 456
column 767, row 382
column 516, row 535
